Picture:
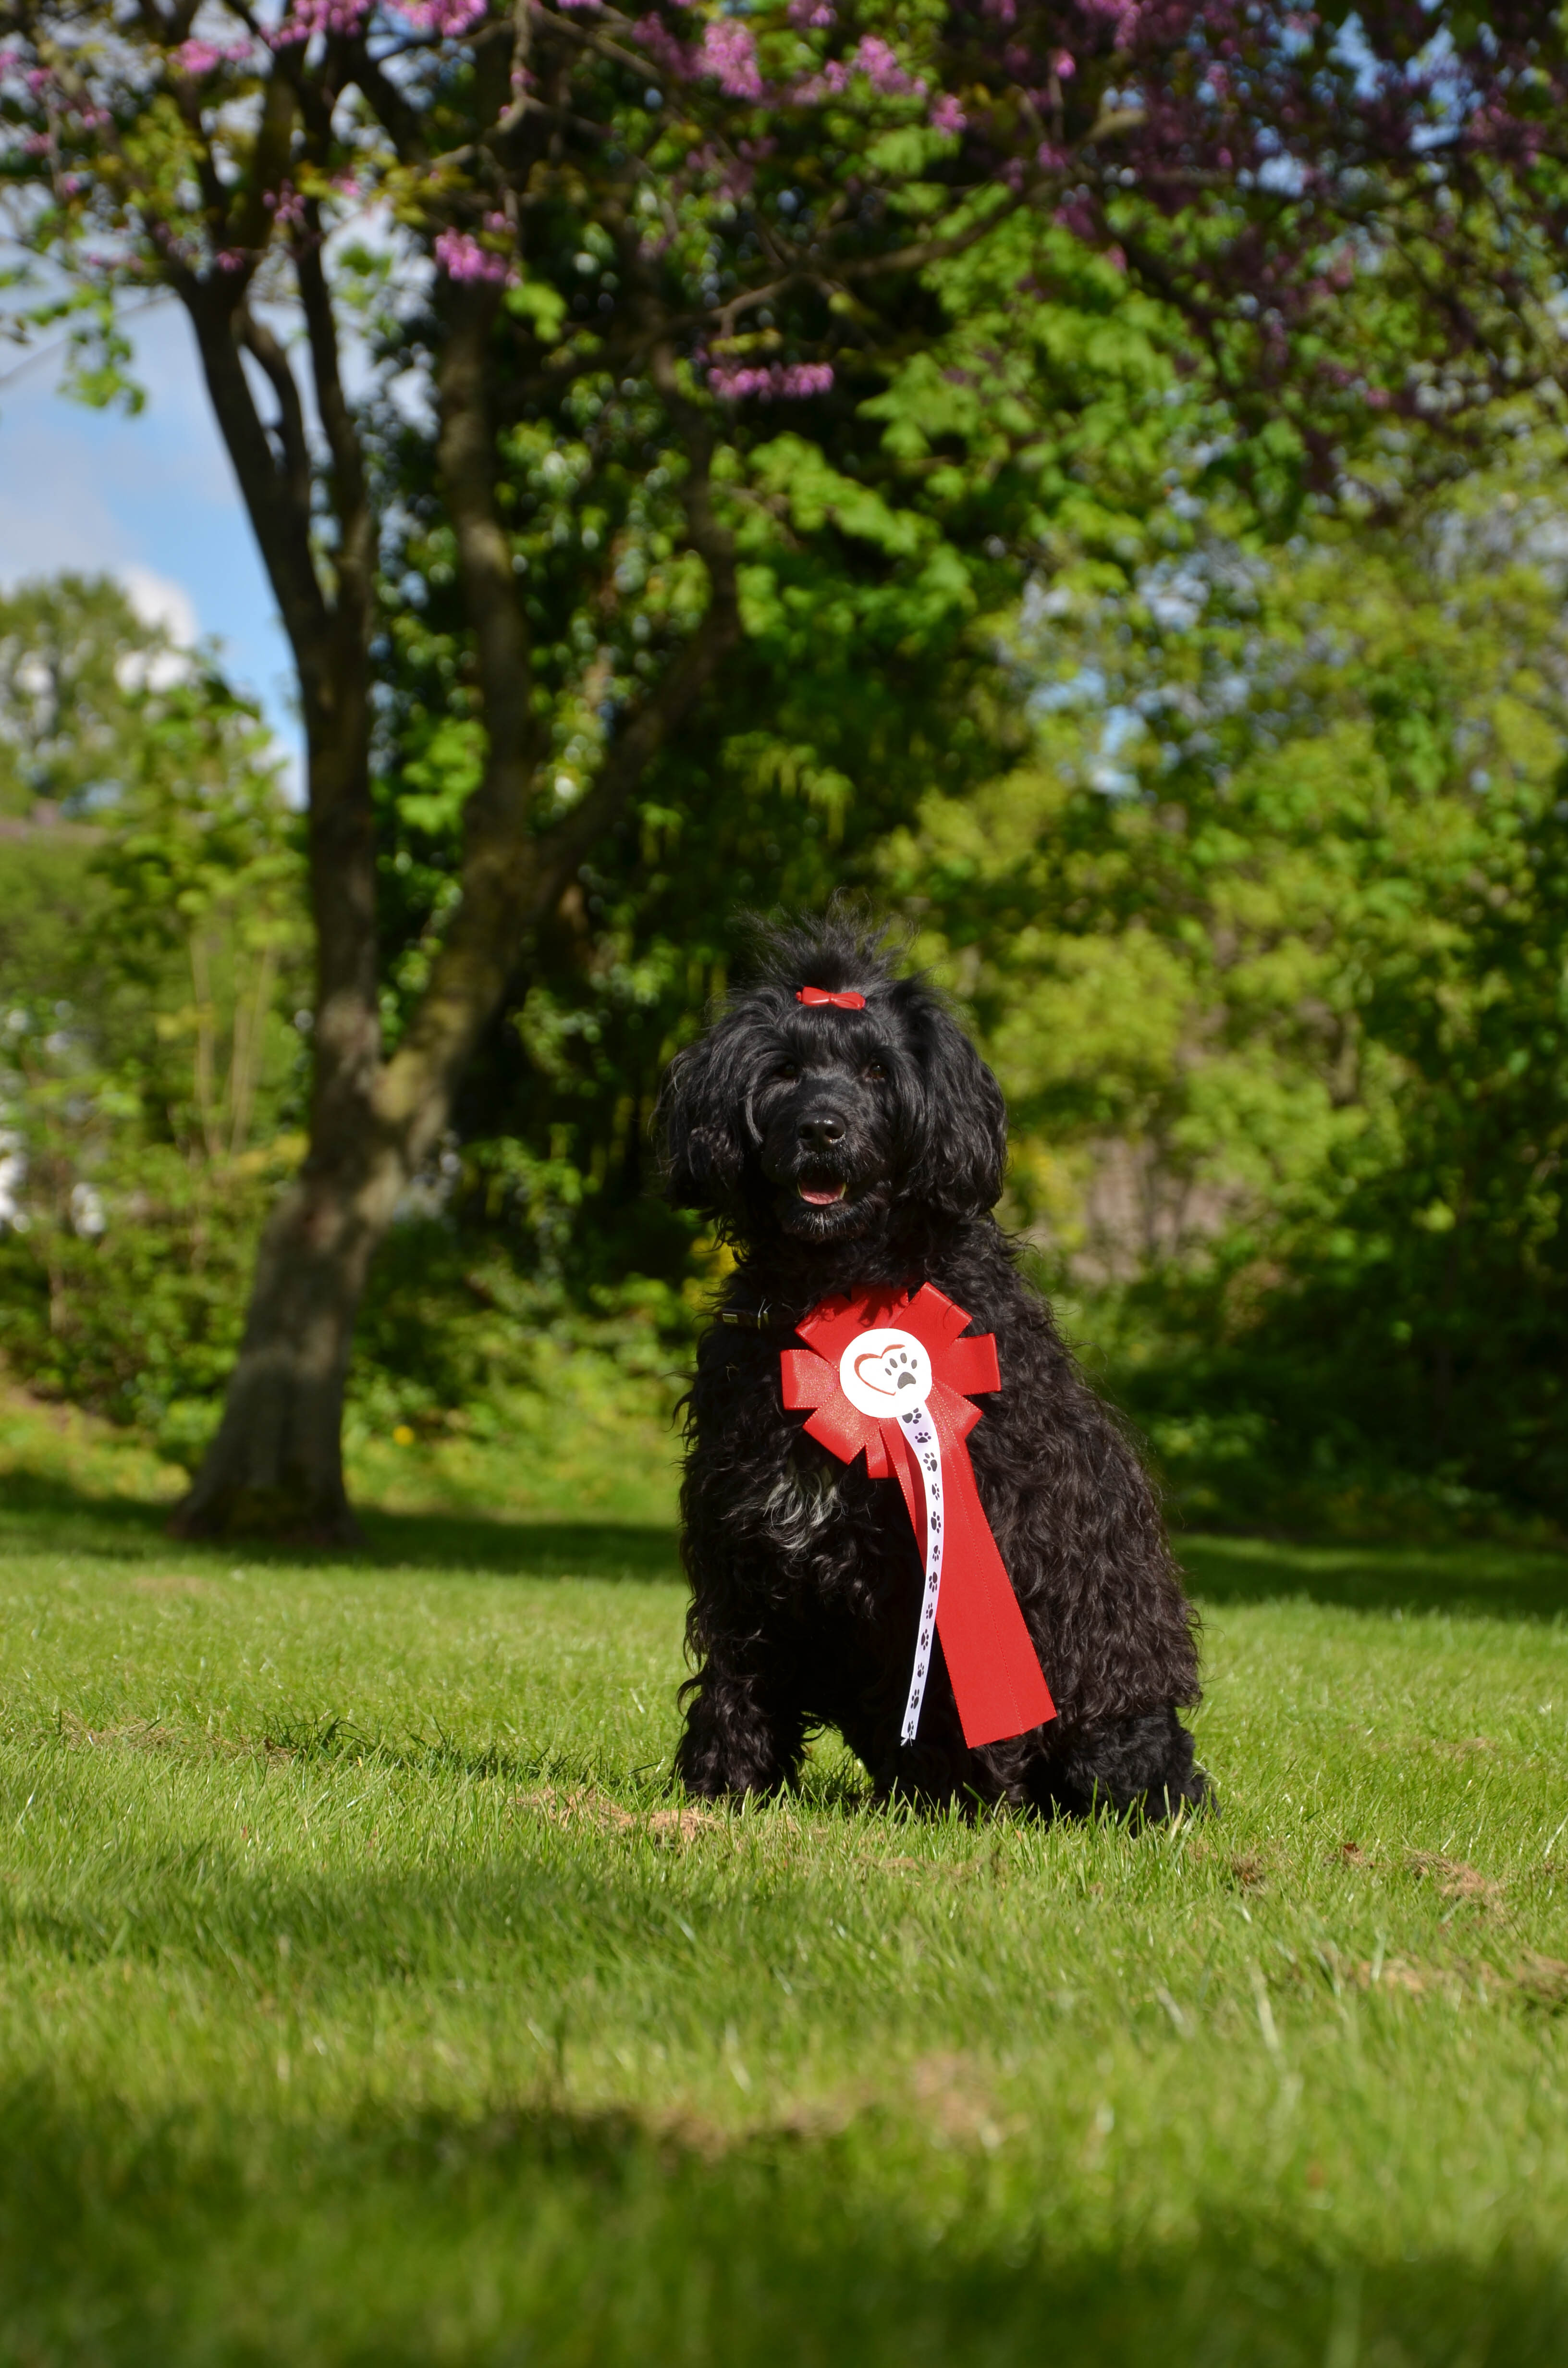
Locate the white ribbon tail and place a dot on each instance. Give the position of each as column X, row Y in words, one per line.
column 922, row 1433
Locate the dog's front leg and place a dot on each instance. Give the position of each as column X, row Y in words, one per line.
column 736, row 1740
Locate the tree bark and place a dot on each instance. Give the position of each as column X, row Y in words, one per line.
column 274, row 1468
column 275, row 1464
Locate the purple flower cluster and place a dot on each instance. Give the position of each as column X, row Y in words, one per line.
column 461, row 256
column 729, row 55
column 877, row 60
column 450, row 18
column 286, row 206
column 325, row 16
column 783, row 380
column 200, row 57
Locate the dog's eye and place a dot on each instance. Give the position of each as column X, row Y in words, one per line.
column 787, row 1072
column 874, row 1074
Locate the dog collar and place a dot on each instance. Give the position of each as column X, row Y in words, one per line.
column 886, row 1374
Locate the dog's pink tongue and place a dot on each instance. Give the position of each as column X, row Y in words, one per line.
column 820, row 1196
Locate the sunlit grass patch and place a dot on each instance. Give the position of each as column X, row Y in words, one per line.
column 368, row 1994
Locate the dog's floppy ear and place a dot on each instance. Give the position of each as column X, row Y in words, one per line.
column 701, row 1122
column 959, row 1142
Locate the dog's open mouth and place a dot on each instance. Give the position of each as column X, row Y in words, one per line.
column 821, row 1196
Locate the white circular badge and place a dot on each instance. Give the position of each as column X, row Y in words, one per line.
column 885, row 1374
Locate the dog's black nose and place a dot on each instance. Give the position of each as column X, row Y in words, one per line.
column 821, row 1134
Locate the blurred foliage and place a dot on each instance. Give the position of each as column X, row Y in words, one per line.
column 75, row 660
column 1270, row 948
column 150, row 1075
column 1250, row 866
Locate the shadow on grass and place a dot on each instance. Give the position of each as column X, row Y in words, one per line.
column 43, row 1514
column 1499, row 1582
column 579, row 2237
column 508, row 1549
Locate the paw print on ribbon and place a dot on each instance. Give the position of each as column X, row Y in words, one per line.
column 886, row 1373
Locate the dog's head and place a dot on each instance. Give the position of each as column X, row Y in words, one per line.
column 828, row 1098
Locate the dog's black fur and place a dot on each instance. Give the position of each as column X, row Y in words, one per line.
column 805, row 1576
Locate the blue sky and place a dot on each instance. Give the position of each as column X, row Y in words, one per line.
column 150, row 500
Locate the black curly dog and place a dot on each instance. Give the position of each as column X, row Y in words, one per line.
column 839, row 1149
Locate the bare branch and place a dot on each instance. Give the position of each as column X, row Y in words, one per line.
column 265, row 350
column 277, row 500
column 351, row 496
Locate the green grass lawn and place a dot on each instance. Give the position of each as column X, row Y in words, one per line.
column 367, row 1997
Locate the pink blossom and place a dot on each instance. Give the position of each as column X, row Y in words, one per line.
column 203, row 57
column 813, row 13
column 286, row 206
column 449, row 19
column 876, row 60
column 1063, row 66
column 1050, row 159
column 309, row 17
column 728, row 53
column 788, row 380
column 579, row 3
column 662, row 46
column 461, row 256
column 878, row 63
column 946, row 115
column 833, row 79
column 231, row 258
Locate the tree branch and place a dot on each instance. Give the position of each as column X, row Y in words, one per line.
column 277, row 500
column 351, row 496
column 511, row 877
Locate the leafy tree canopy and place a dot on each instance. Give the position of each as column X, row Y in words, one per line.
column 1275, row 968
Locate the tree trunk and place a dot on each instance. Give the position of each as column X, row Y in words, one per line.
column 274, row 1468
column 276, row 1465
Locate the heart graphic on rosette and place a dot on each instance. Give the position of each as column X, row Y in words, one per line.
column 885, row 1372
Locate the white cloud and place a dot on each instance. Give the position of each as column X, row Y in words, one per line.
column 158, row 601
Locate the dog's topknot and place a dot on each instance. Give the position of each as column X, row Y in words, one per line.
column 839, row 950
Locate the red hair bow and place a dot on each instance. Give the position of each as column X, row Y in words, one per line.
column 847, row 1001
column 900, row 1358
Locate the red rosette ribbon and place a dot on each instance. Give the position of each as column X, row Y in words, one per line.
column 883, row 1347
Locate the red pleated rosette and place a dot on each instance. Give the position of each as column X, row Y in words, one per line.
column 925, row 1365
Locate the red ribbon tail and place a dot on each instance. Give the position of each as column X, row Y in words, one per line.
column 996, row 1673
